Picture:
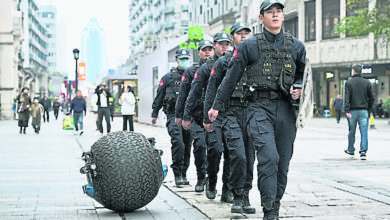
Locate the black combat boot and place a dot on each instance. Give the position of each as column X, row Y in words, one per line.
column 270, row 212
column 178, row 179
column 199, row 187
column 185, row 180
column 20, row 130
column 211, row 191
column 246, row 207
column 237, row 201
column 24, row 130
column 227, row 195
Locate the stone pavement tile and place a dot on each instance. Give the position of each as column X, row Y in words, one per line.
column 141, row 213
column 107, row 214
column 87, row 214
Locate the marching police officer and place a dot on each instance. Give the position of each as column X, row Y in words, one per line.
column 232, row 124
column 194, row 105
column 205, row 50
column 166, row 98
column 266, row 67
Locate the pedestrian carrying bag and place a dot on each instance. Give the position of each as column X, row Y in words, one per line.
column 68, row 123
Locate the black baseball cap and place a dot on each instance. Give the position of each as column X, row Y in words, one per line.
column 268, row 3
column 204, row 44
column 182, row 53
column 238, row 27
column 222, row 36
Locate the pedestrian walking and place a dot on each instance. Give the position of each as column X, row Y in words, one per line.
column 338, row 107
column 194, row 109
column 37, row 111
column 127, row 100
column 231, row 121
column 205, row 50
column 24, row 105
column 359, row 98
column 56, row 107
column 166, row 97
column 103, row 96
column 46, row 103
column 264, row 68
column 78, row 106
column 94, row 107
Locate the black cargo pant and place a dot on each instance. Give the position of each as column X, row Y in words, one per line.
column 215, row 147
column 240, row 147
column 181, row 145
column 104, row 111
column 200, row 147
column 271, row 125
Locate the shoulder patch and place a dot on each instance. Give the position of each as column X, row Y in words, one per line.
column 235, row 54
column 161, row 83
column 183, row 77
column 196, row 75
column 212, row 71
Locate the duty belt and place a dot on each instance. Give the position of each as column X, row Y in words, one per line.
column 273, row 95
column 237, row 102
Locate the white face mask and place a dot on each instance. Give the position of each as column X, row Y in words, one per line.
column 184, row 64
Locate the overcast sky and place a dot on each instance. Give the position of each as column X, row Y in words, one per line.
column 112, row 16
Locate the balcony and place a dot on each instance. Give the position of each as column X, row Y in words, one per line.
column 169, row 10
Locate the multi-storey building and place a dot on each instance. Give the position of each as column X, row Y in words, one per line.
column 93, row 51
column 11, row 34
column 332, row 55
column 153, row 22
column 216, row 15
column 34, row 49
column 48, row 19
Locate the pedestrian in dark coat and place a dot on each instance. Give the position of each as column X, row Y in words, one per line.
column 78, row 106
column 24, row 104
column 56, row 107
column 46, row 103
column 338, row 106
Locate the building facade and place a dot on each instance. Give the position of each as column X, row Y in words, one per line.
column 34, row 50
column 216, row 15
column 11, row 35
column 48, row 19
column 153, row 22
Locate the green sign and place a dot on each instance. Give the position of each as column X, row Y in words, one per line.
column 195, row 34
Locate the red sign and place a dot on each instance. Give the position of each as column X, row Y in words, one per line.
column 82, row 71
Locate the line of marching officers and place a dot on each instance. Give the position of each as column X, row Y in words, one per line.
column 236, row 104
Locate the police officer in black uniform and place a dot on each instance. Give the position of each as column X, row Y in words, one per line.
column 231, row 121
column 266, row 67
column 205, row 50
column 166, row 98
column 194, row 105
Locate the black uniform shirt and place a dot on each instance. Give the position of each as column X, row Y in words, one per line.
column 199, row 83
column 216, row 76
column 247, row 53
column 166, row 80
column 185, row 88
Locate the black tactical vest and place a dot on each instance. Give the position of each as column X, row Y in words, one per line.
column 172, row 91
column 275, row 68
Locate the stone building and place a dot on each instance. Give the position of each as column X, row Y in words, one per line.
column 11, row 35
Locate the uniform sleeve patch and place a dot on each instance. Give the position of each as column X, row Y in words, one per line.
column 161, row 83
column 235, row 54
column 183, row 77
column 196, row 75
column 212, row 71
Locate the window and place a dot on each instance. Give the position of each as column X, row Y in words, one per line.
column 352, row 11
column 291, row 26
column 310, row 21
column 200, row 9
column 330, row 18
column 211, row 14
column 156, row 83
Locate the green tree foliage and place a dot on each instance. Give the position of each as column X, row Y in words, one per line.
column 363, row 21
column 386, row 105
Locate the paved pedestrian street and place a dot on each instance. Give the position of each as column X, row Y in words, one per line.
column 40, row 179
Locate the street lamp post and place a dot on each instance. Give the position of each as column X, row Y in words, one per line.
column 76, row 57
